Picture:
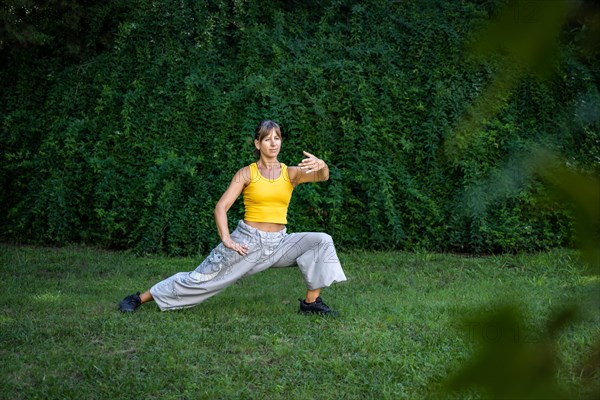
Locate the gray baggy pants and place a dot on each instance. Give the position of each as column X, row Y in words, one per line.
column 313, row 252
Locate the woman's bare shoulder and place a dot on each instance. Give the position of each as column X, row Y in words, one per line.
column 243, row 176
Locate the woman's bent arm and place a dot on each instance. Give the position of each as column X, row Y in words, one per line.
column 310, row 169
column 239, row 181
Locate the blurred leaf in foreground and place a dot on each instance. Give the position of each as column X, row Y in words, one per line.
column 511, row 362
column 583, row 192
column 524, row 36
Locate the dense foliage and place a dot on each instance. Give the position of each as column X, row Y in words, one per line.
column 122, row 125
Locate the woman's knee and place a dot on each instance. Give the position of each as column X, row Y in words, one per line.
column 324, row 237
column 323, row 243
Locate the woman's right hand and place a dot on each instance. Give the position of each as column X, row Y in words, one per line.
column 235, row 246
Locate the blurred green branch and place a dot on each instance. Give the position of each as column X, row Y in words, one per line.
column 525, row 35
column 584, row 193
column 523, row 41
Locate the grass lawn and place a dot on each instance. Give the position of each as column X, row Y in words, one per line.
column 409, row 321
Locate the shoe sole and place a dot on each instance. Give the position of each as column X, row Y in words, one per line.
column 333, row 314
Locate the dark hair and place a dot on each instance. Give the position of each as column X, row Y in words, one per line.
column 263, row 129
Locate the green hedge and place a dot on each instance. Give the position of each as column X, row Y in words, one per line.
column 129, row 140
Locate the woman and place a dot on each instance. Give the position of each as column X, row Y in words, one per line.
column 260, row 240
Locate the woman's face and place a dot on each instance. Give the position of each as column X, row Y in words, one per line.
column 270, row 145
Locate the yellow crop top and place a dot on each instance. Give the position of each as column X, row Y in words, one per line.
column 267, row 200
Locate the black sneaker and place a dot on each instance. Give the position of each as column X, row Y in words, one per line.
column 318, row 307
column 130, row 303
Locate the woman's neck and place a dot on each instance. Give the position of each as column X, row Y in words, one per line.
column 269, row 164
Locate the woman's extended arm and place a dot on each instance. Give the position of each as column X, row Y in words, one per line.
column 239, row 181
column 310, row 169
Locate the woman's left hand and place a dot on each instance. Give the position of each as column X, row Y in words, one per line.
column 311, row 163
column 239, row 248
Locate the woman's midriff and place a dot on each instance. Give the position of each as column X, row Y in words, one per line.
column 265, row 226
